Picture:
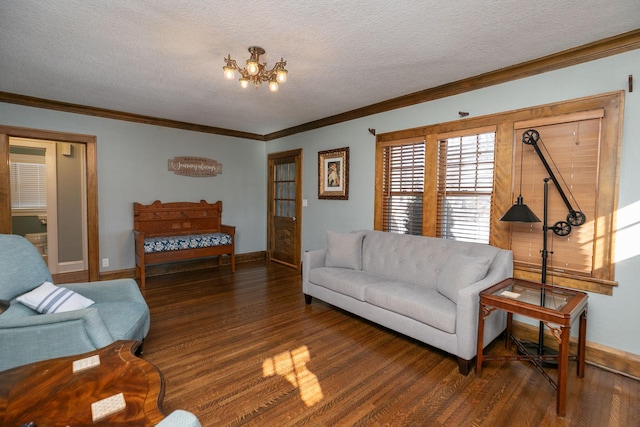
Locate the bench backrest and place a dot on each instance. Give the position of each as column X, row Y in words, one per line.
column 177, row 218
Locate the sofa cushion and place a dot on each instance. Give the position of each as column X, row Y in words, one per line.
column 460, row 271
column 414, row 301
column 344, row 250
column 347, row 282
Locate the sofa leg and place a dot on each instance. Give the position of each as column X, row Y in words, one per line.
column 464, row 366
column 308, row 298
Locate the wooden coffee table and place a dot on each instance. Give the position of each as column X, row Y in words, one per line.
column 49, row 393
column 558, row 309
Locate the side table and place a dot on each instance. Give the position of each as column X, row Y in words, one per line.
column 49, row 393
column 556, row 307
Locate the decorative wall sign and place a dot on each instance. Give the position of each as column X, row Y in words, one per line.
column 333, row 174
column 194, row 166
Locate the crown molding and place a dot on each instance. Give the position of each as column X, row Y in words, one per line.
column 600, row 49
column 589, row 52
column 67, row 107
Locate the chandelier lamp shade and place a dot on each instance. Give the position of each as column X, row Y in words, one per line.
column 255, row 72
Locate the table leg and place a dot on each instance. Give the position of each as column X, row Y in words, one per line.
column 480, row 349
column 563, row 365
column 582, row 341
column 507, row 342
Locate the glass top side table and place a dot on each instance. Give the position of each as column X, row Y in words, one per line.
column 556, row 307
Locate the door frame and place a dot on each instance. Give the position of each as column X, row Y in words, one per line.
column 298, row 203
column 93, row 243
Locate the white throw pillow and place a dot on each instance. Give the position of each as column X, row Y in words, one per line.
column 460, row 271
column 49, row 298
column 344, row 250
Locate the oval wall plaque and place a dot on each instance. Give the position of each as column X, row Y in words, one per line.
column 194, row 166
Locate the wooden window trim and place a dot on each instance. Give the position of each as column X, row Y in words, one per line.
column 612, row 104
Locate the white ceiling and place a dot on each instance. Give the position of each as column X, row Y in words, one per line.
column 164, row 58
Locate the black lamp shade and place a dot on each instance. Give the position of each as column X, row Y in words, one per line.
column 519, row 212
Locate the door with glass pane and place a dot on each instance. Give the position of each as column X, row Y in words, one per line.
column 284, row 210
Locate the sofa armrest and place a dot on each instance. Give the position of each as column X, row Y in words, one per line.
column 310, row 260
column 45, row 336
column 468, row 307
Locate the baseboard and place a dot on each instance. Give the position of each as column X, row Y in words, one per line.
column 181, row 266
column 608, row 358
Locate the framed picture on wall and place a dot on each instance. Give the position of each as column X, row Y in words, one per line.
column 333, row 174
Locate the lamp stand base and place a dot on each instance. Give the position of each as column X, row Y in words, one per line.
column 527, row 348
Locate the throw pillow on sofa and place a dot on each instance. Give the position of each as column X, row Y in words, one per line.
column 344, row 250
column 460, row 271
column 49, row 298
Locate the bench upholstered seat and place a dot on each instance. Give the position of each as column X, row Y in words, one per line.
column 190, row 241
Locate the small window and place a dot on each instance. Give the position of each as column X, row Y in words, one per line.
column 28, row 182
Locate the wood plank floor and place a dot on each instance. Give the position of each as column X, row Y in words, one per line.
column 244, row 349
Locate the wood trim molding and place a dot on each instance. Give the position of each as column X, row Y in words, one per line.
column 607, row 47
column 599, row 49
column 68, row 107
column 182, row 266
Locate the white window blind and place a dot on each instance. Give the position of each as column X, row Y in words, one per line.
column 403, row 187
column 28, row 185
column 465, row 187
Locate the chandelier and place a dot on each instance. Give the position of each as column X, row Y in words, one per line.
column 255, row 72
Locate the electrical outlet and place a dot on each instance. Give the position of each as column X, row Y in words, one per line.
column 105, row 262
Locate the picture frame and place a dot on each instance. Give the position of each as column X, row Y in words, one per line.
column 333, row 174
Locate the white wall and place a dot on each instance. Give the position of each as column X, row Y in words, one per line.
column 613, row 320
column 132, row 167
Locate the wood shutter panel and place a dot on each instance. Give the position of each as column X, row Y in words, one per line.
column 572, row 151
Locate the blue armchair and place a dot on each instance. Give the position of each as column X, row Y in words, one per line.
column 119, row 312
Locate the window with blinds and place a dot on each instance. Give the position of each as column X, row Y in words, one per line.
column 465, row 187
column 458, row 178
column 28, row 176
column 403, row 187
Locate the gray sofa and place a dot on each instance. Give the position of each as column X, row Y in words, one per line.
column 423, row 287
column 119, row 311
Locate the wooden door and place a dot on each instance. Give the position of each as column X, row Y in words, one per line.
column 285, row 208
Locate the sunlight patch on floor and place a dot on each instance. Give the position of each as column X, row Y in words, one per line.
column 292, row 365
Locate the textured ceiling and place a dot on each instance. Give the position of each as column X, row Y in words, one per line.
column 164, row 58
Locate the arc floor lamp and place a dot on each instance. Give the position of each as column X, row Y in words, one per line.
column 520, row 212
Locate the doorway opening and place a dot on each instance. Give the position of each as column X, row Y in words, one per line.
column 48, row 200
column 71, row 228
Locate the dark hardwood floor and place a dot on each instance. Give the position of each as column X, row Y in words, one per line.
column 244, row 349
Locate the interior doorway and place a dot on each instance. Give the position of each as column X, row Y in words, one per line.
column 87, row 269
column 284, row 211
column 43, row 173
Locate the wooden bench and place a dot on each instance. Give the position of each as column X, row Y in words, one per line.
column 174, row 232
